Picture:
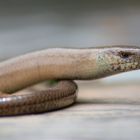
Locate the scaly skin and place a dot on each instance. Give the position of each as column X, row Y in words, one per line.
column 58, row 64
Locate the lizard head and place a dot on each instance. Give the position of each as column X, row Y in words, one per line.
column 117, row 59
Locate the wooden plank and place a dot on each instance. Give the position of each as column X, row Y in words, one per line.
column 101, row 112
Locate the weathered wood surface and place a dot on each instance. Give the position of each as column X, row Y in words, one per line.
column 101, row 112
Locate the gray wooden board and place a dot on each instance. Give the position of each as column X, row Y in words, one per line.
column 101, row 112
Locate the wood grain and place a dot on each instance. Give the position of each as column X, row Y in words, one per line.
column 102, row 112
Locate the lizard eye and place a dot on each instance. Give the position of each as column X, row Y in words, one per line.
column 125, row 54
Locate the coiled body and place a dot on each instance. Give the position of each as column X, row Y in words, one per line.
column 58, row 64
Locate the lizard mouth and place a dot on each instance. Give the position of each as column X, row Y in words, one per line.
column 126, row 66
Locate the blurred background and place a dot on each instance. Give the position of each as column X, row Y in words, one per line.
column 28, row 25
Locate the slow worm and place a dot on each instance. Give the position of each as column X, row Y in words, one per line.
column 60, row 64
